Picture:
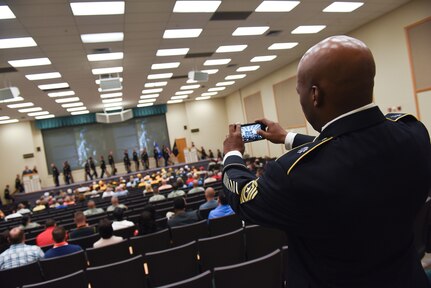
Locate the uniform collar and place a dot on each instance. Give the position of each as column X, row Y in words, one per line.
column 352, row 121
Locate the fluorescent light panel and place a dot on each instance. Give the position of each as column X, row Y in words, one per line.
column 248, row 31
column 38, row 113
column 20, row 105
column 202, row 98
column 277, row 6
column 160, row 76
column 80, row 112
column 180, row 97
column 45, row 116
column 109, row 70
column 70, row 105
column 282, row 46
column 27, row 110
column 109, row 90
column 17, row 42
column 196, row 6
column 210, row 71
column 263, row 58
column 4, row 118
column 172, row 52
column 112, row 104
column 15, row 99
column 149, row 96
column 147, row 100
column 76, row 109
column 213, row 62
column 111, row 95
column 247, row 68
column 144, row 104
column 113, row 108
column 150, row 91
column 174, row 101
column 61, row 94
column 97, row 8
column 105, row 56
column 234, row 77
column 216, row 89
column 226, row 83
column 184, row 92
column 53, row 86
column 165, row 65
column 343, row 7
column 98, row 80
column 155, row 84
column 102, row 37
column 112, row 100
column 67, row 100
column 187, row 87
column 308, row 29
column 6, row 13
column 182, row 33
column 231, row 48
column 43, row 76
column 209, row 94
column 9, row 121
column 29, row 62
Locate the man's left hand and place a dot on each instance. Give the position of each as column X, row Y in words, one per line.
column 233, row 140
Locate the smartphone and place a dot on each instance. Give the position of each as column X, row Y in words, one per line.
column 249, row 132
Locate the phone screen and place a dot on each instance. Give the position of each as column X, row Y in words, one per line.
column 248, row 132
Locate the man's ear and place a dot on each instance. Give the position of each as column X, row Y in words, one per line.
column 316, row 96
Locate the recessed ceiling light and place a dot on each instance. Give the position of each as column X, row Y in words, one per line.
column 112, row 104
column 70, row 105
column 20, row 105
column 61, row 94
column 109, row 70
column 184, row 92
column 277, row 6
column 67, row 100
column 203, row 98
column 165, row 65
column 247, row 31
column 27, row 110
column 180, row 97
column 175, row 101
column 17, row 42
column 45, row 116
column 98, row 80
column 182, row 33
column 191, row 81
column 53, row 86
column 42, row 76
column 147, row 100
column 213, row 62
column 150, row 91
column 234, row 77
column 76, row 109
column 196, row 6
column 97, row 8
column 109, row 90
column 247, row 68
column 155, row 84
column 80, row 112
column 343, row 7
column 226, row 83
column 216, row 89
column 38, row 113
column 263, row 58
column 308, row 29
column 231, row 48
column 145, row 104
column 105, row 56
column 112, row 100
column 113, row 108
column 6, row 13
column 148, row 96
column 160, row 76
column 15, row 99
column 187, row 87
column 281, row 46
column 111, row 95
column 209, row 93
column 172, row 52
column 29, row 62
column 210, row 71
column 102, row 37
column 9, row 121
column 4, row 118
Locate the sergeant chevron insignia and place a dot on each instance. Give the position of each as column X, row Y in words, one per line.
column 249, row 191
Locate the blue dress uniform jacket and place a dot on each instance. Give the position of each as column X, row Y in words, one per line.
column 346, row 200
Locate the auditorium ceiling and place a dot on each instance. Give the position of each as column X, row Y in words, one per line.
column 138, row 38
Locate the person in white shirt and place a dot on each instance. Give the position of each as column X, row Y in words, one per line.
column 119, row 222
column 106, row 234
column 22, row 210
column 114, row 204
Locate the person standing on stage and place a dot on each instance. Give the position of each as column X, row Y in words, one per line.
column 67, row 173
column 103, row 167
column 135, row 158
column 93, row 167
column 55, row 174
column 144, row 159
column 165, row 153
column 126, row 161
column 112, row 163
column 156, row 156
column 87, row 170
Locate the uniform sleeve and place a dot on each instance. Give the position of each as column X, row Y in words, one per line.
column 267, row 200
column 301, row 139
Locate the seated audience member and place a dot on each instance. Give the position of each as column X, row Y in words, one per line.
column 82, row 228
column 92, row 209
column 196, row 188
column 148, row 188
column 156, row 197
column 19, row 253
column 61, row 247
column 181, row 217
column 13, row 215
column 60, row 204
column 223, row 208
column 120, row 191
column 114, row 204
column 165, row 185
column 190, row 178
column 108, row 193
column 27, row 224
column 45, row 237
column 119, row 222
column 180, row 183
column 106, row 234
column 40, row 205
column 22, row 209
column 69, row 200
column 4, row 241
column 176, row 192
column 210, row 178
column 147, row 221
column 209, row 196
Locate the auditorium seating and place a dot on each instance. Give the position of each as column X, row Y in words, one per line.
column 187, row 233
column 85, row 242
column 16, row 277
column 157, row 241
column 74, row 280
column 225, row 224
column 125, row 232
column 261, row 240
column 203, row 280
column 68, row 263
column 108, row 254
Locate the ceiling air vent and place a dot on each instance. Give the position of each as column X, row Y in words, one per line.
column 220, row 16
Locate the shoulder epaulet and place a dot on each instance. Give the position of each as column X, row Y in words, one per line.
column 292, row 158
column 398, row 116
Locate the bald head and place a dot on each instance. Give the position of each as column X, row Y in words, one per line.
column 209, row 193
column 16, row 236
column 334, row 77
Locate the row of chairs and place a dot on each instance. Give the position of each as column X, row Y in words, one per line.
column 165, row 264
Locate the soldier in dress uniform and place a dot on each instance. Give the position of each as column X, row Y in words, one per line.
column 112, row 163
column 92, row 167
column 145, row 159
column 135, row 158
column 55, row 174
column 126, row 161
column 348, row 198
column 103, row 167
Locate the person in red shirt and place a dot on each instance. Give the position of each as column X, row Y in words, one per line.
column 45, row 237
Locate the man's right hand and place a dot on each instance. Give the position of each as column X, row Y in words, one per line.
column 274, row 132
